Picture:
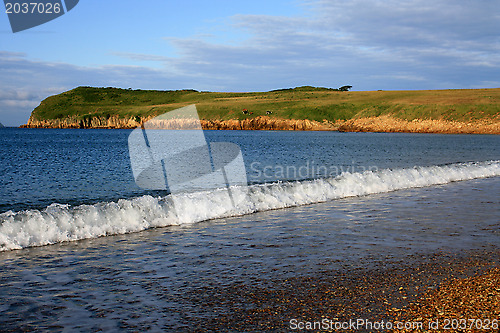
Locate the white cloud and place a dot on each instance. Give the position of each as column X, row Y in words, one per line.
column 24, row 82
column 353, row 42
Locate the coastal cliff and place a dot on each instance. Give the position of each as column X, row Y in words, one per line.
column 300, row 109
column 258, row 123
column 391, row 124
column 372, row 124
column 88, row 122
column 268, row 123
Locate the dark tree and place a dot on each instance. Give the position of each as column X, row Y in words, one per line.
column 345, row 88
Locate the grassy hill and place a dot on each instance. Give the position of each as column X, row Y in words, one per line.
column 309, row 103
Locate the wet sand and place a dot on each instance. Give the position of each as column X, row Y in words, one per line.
column 422, row 289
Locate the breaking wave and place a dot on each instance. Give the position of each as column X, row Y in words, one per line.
column 61, row 223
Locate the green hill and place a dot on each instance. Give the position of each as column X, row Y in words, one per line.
column 311, row 103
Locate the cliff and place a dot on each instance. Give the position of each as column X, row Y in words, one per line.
column 391, row 124
column 88, row 122
column 258, row 123
column 372, row 124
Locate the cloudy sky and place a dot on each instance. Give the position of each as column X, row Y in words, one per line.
column 227, row 45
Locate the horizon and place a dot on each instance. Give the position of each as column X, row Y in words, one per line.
column 250, row 47
column 271, row 90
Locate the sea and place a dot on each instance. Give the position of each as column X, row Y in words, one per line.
column 84, row 248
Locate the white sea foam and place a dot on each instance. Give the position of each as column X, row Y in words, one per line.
column 60, row 223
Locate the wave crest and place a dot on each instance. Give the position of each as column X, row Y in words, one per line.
column 60, row 223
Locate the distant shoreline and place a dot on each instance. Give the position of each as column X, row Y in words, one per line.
column 459, row 111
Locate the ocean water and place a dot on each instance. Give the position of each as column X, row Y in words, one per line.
column 82, row 247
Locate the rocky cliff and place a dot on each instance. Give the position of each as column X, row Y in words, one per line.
column 368, row 124
column 258, row 123
column 391, row 124
column 89, row 122
column 270, row 124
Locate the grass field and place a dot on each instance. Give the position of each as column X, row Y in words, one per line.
column 299, row 103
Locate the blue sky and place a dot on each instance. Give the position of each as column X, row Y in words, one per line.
column 255, row 45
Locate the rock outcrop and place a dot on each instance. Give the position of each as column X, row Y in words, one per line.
column 371, row 124
column 258, row 123
column 391, row 124
column 270, row 124
column 89, row 122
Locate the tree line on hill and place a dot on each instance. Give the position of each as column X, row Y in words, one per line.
column 311, row 88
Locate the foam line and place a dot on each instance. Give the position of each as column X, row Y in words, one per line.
column 61, row 223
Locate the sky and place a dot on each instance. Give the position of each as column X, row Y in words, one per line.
column 223, row 45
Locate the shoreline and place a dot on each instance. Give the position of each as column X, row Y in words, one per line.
column 421, row 289
column 384, row 124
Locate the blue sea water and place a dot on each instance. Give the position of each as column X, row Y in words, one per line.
column 44, row 166
column 84, row 248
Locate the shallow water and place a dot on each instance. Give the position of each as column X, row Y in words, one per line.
column 140, row 281
column 64, row 185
